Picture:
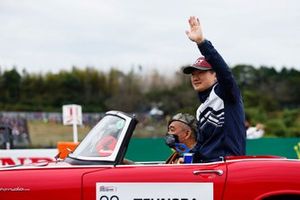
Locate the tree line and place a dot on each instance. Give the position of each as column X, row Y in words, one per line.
column 270, row 96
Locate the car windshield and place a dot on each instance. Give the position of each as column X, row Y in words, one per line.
column 103, row 139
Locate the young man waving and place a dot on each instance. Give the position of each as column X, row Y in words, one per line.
column 221, row 131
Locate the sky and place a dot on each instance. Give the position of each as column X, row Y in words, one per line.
column 43, row 36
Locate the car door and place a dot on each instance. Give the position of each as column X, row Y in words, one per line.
column 203, row 181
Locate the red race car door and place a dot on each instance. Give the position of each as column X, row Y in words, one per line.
column 203, row 181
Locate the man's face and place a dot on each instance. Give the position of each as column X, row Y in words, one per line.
column 179, row 129
column 202, row 80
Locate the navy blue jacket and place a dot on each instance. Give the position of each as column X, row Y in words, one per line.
column 221, row 129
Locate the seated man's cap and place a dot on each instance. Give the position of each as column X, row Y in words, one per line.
column 200, row 64
column 185, row 118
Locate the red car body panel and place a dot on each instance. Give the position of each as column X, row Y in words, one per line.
column 153, row 174
column 42, row 183
column 243, row 179
column 80, row 176
column 261, row 178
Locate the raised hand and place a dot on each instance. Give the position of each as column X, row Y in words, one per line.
column 195, row 33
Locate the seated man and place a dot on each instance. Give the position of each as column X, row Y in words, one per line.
column 181, row 136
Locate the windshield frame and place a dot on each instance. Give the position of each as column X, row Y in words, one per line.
column 114, row 154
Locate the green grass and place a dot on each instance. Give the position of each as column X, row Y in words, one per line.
column 47, row 134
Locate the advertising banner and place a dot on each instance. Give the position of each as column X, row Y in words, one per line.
column 26, row 156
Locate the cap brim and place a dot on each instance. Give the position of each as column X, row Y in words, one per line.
column 190, row 69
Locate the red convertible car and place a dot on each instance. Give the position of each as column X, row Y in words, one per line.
column 95, row 170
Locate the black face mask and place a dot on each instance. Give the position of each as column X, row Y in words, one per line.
column 171, row 140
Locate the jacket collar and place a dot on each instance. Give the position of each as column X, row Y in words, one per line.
column 204, row 94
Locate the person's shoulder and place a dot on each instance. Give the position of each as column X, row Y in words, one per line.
column 217, row 90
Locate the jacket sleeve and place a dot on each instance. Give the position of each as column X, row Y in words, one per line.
column 228, row 86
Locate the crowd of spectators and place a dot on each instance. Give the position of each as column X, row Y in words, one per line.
column 89, row 119
column 18, row 130
column 16, row 124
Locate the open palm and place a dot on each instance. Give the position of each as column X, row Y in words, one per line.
column 195, row 33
